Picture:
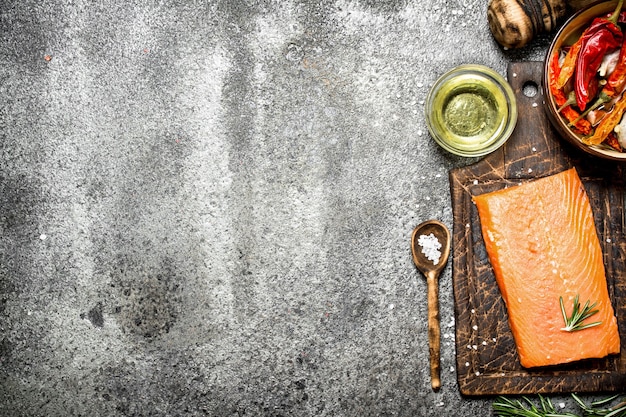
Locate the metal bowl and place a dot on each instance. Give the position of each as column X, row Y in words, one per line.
column 567, row 35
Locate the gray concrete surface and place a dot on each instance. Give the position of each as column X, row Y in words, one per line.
column 205, row 207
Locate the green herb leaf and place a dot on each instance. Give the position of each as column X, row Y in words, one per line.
column 574, row 322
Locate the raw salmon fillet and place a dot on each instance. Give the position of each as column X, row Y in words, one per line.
column 542, row 244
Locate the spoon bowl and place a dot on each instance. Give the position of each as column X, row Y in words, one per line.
column 430, row 246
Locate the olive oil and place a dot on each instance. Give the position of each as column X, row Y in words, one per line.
column 469, row 113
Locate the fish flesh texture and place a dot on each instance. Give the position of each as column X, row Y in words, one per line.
column 542, row 244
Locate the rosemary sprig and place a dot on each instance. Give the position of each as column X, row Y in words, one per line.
column 505, row 407
column 575, row 321
column 593, row 409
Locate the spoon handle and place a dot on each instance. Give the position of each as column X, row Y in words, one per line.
column 434, row 331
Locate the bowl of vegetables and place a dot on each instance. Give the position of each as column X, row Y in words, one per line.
column 585, row 80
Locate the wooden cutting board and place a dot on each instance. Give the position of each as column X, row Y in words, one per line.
column 487, row 360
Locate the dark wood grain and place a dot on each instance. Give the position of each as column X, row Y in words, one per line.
column 487, row 360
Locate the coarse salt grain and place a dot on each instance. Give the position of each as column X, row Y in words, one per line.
column 430, row 247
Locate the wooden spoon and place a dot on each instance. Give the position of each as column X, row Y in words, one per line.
column 432, row 271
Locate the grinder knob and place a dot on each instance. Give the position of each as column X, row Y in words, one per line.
column 514, row 23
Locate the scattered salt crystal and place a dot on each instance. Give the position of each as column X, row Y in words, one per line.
column 467, row 364
column 475, row 327
column 43, row 237
column 440, row 404
column 534, row 104
column 514, row 74
column 530, row 170
column 484, row 343
column 391, row 306
column 452, row 369
column 561, row 405
column 467, row 225
column 430, row 247
column 494, row 340
column 475, row 182
column 477, row 373
column 473, row 311
column 608, row 240
column 474, row 347
column 534, row 149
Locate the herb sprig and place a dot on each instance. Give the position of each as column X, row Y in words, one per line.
column 505, row 407
column 574, row 322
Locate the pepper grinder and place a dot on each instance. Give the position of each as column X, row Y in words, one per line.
column 514, row 23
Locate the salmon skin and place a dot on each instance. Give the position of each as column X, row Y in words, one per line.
column 542, row 244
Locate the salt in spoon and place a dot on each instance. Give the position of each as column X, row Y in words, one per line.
column 431, row 268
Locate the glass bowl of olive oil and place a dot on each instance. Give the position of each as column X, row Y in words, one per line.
column 471, row 110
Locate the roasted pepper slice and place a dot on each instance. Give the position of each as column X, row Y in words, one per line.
column 608, row 123
column 581, row 125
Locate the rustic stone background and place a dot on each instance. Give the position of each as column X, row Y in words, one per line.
column 205, row 206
